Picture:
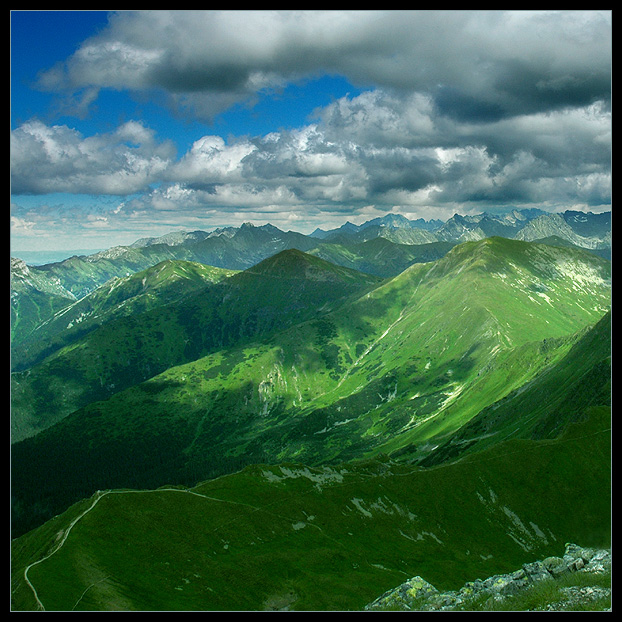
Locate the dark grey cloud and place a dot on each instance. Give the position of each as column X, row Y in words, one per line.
column 476, row 64
column 465, row 107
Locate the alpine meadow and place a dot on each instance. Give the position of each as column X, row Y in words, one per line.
column 349, row 351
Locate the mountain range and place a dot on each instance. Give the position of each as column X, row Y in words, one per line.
column 238, row 248
column 380, row 372
column 382, row 247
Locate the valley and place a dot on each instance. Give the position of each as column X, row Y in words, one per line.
column 327, row 415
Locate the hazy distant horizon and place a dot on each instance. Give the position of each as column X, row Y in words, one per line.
column 42, row 257
column 50, row 255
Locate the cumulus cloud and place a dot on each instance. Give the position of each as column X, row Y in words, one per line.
column 376, row 148
column 211, row 161
column 46, row 159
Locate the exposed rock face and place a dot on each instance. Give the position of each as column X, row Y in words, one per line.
column 418, row 594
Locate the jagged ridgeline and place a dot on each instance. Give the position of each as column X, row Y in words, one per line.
column 421, row 424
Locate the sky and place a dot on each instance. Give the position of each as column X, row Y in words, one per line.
column 136, row 123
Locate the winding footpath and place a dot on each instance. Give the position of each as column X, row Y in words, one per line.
column 99, row 495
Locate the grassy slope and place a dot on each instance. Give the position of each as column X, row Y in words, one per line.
column 411, row 360
column 544, row 406
column 40, row 396
column 34, row 299
column 326, row 538
column 167, row 282
column 81, row 275
column 174, row 327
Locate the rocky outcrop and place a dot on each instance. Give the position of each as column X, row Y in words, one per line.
column 417, row 594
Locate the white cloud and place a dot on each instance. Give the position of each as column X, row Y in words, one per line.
column 374, row 149
column 46, row 159
column 22, row 227
column 210, row 160
column 463, row 110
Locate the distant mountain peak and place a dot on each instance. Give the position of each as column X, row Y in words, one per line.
column 295, row 264
column 291, row 263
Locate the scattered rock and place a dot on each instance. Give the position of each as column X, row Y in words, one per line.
column 418, row 594
column 280, row 602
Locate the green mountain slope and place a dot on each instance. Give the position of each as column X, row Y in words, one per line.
column 235, row 250
column 167, row 282
column 543, row 407
column 240, row 248
column 381, row 256
column 401, row 368
column 329, row 538
column 392, row 243
column 34, row 299
column 134, row 328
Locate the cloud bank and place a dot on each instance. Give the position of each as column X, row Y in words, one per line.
column 459, row 111
column 476, row 64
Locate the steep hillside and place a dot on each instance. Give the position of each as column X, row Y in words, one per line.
column 242, row 247
column 382, row 246
column 236, row 250
column 589, row 225
column 116, row 346
column 423, row 353
column 82, row 274
column 34, row 299
column 332, row 538
column 572, row 228
column 162, row 284
column 403, row 366
column 561, row 394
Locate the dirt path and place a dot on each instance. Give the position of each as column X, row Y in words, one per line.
column 100, row 495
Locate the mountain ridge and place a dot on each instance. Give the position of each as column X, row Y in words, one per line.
column 161, row 284
column 407, row 362
column 334, row 537
column 294, row 264
column 354, row 246
column 130, row 348
column 303, row 434
column 581, row 225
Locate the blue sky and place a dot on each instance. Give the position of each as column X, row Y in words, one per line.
column 36, row 45
column 129, row 124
